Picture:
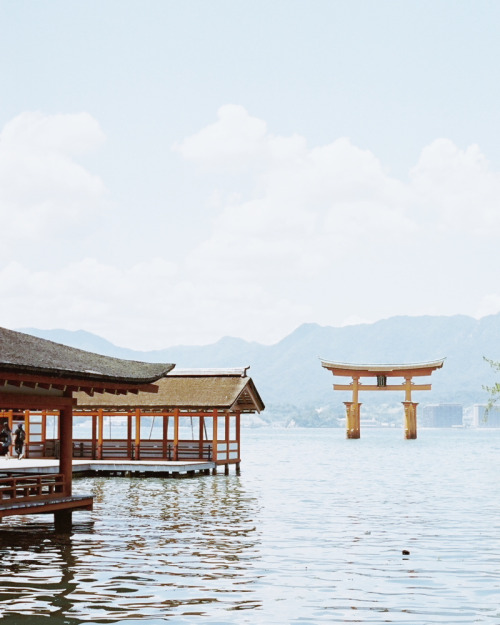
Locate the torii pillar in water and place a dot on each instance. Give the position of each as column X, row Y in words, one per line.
column 381, row 373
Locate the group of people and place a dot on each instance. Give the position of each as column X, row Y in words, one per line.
column 6, row 441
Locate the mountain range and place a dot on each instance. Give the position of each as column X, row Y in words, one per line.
column 289, row 373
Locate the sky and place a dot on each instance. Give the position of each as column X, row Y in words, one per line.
column 175, row 172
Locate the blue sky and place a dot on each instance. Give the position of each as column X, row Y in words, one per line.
column 174, row 172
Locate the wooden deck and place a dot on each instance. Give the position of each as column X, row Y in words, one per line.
column 46, row 506
column 40, row 493
column 36, row 486
column 118, row 467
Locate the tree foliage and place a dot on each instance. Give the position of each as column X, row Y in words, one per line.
column 494, row 391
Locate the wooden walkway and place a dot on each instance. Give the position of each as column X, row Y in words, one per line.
column 128, row 468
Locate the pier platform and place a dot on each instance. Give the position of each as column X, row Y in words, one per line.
column 124, row 468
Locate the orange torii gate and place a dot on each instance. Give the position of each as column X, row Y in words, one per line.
column 381, row 372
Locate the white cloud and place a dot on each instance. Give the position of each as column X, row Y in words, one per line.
column 330, row 227
column 321, row 234
column 145, row 306
column 233, row 141
column 456, row 190
column 67, row 134
column 42, row 188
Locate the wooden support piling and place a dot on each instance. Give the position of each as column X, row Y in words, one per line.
column 353, row 419
column 410, row 409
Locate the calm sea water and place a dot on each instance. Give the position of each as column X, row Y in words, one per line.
column 312, row 531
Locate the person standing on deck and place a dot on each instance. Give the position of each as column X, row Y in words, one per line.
column 6, row 441
column 20, row 437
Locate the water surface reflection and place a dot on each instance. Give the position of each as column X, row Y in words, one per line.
column 312, row 532
column 155, row 549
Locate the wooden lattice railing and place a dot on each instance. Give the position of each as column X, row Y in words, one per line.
column 30, row 488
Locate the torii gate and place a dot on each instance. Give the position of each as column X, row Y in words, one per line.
column 381, row 372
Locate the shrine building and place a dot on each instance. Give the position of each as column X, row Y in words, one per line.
column 40, row 375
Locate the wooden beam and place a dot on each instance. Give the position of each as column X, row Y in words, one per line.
column 390, row 373
column 389, row 387
column 62, row 383
column 35, row 402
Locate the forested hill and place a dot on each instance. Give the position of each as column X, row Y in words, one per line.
column 289, row 372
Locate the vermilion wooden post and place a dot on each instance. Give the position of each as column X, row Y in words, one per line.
column 176, row 434
column 129, row 436
column 63, row 518
column 353, row 420
column 165, row 435
column 66, row 446
column 238, row 439
column 200, row 436
column 100, row 432
column 10, row 419
column 27, row 428
column 94, row 436
column 214, row 439
column 137, row 434
column 410, row 408
column 44, row 431
column 227, row 437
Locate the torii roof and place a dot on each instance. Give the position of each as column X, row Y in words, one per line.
column 390, row 370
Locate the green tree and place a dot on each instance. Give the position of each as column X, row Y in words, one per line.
column 494, row 391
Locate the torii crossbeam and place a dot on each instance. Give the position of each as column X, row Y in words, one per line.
column 381, row 373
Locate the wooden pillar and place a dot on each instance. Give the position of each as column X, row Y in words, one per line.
column 355, row 389
column 100, row 432
column 44, row 427
column 176, row 434
column 130, row 450
column 200, row 436
column 214, row 439
column 93, row 453
column 227, row 436
column 407, row 388
column 410, row 419
column 27, row 430
column 137, row 446
column 66, row 447
column 238, row 439
column 63, row 518
column 10, row 422
column 352, row 421
column 165, row 436
column 227, row 428
column 353, row 418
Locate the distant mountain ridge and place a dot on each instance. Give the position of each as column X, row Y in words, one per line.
column 289, row 372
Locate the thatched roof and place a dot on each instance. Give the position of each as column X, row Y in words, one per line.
column 26, row 354
column 188, row 389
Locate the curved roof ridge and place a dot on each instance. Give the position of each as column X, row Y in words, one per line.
column 382, row 367
column 24, row 353
column 211, row 372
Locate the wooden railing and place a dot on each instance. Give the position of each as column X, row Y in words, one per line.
column 30, row 488
column 148, row 450
column 156, row 449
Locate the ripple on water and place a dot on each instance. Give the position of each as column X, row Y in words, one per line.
column 312, row 531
